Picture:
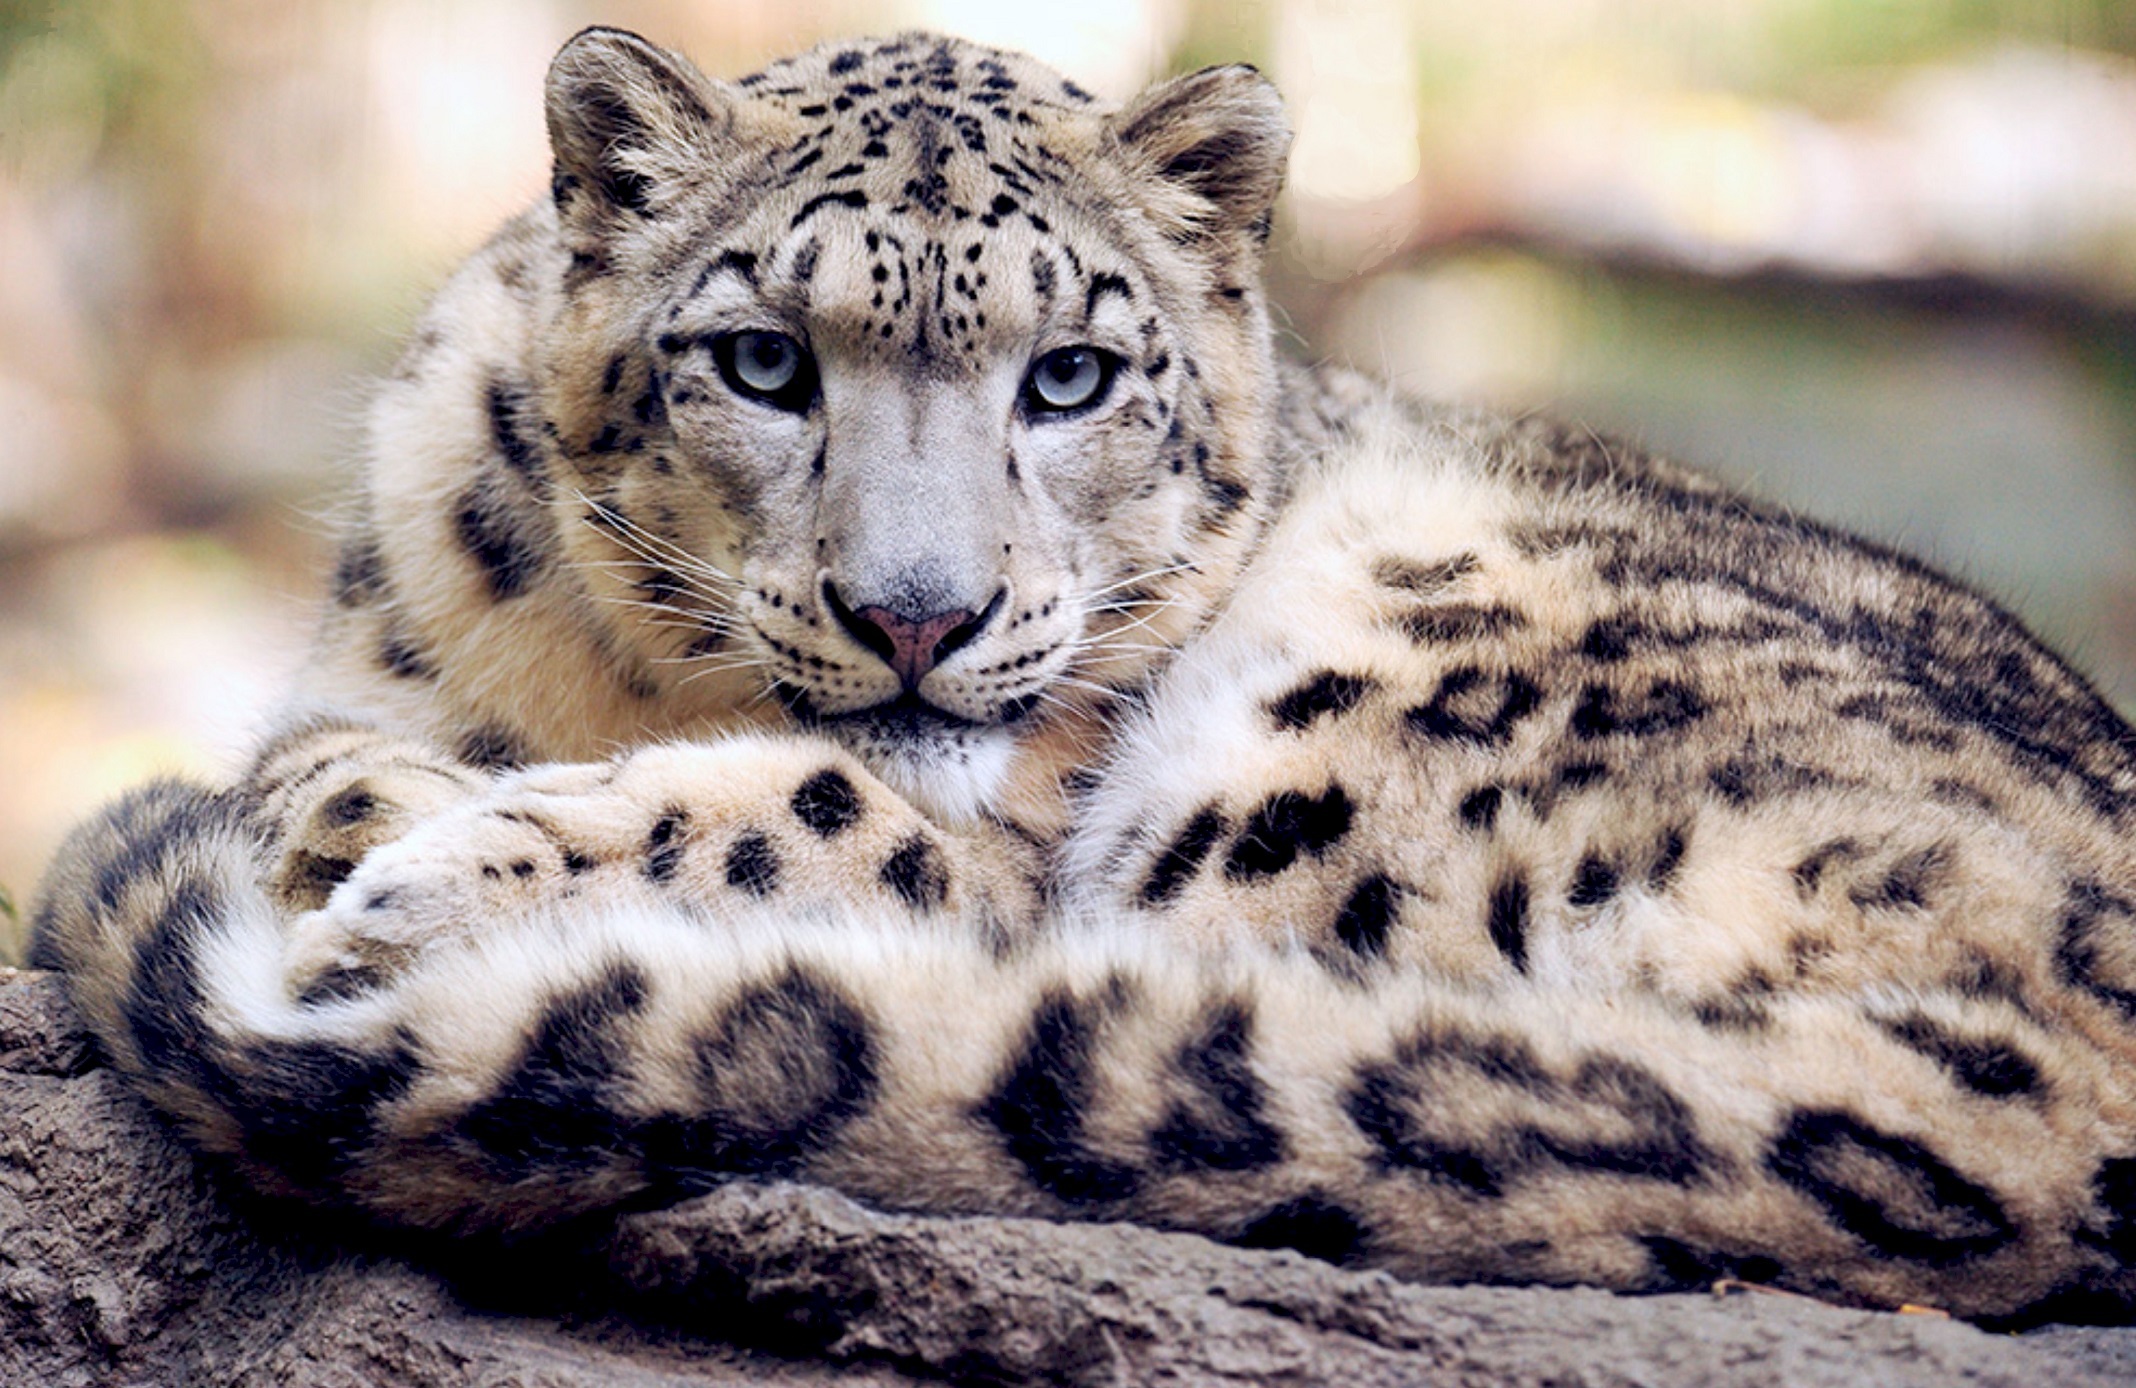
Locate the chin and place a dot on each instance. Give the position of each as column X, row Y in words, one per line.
column 950, row 769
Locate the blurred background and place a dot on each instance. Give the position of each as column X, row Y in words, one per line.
column 1875, row 258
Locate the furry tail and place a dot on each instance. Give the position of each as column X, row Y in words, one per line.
column 633, row 1052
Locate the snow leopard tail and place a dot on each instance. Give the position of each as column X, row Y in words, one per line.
column 630, row 1053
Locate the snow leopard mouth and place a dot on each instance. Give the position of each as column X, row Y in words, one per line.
column 908, row 718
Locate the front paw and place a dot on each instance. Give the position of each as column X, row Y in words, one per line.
column 725, row 831
column 326, row 796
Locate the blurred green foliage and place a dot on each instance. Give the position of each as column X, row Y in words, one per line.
column 99, row 77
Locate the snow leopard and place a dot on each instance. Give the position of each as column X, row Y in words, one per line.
column 859, row 661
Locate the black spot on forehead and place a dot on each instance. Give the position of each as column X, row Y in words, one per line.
column 850, row 197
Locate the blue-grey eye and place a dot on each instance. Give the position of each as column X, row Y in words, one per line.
column 767, row 366
column 1068, row 378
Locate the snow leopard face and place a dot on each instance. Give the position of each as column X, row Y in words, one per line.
column 930, row 389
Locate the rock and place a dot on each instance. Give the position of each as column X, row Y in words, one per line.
column 123, row 1262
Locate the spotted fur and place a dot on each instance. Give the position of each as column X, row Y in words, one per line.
column 1239, row 800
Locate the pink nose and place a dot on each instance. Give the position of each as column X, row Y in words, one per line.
column 912, row 648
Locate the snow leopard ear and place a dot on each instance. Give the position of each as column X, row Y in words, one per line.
column 1213, row 144
column 628, row 120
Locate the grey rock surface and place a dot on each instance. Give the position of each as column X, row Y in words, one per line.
column 123, row 1262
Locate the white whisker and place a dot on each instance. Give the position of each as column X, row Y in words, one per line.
column 1163, row 571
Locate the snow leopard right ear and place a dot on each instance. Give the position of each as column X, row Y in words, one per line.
column 1211, row 146
column 628, row 122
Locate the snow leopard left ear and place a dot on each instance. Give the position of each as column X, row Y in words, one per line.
column 628, row 120
column 1213, row 144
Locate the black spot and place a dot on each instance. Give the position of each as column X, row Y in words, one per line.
column 1606, row 712
column 135, row 840
column 741, row 264
column 1283, row 825
column 665, row 845
column 1224, row 494
column 2114, row 1188
column 1680, row 1266
column 1183, row 856
column 789, row 1065
column 507, row 406
column 1891, row 1192
column 1507, row 920
column 1610, row 639
column 1326, row 693
column 1993, row 1068
column 1809, row 873
column 753, row 865
column 1907, row 883
column 1469, row 706
column 1667, row 861
column 1745, row 779
column 917, row 874
column 491, row 747
column 585, row 267
column 1567, row 778
column 1423, row 578
column 1730, row 1012
column 360, row 573
column 351, row 805
column 1218, row 1124
column 845, row 62
column 340, row 983
column 2097, row 946
column 1450, row 623
column 399, row 655
column 1662, row 1143
column 827, row 803
column 1479, row 808
column 1102, row 284
column 1311, row 1224
column 315, row 875
column 494, row 535
column 1398, row 1103
column 164, row 1002
column 850, row 197
column 1039, row 1105
column 557, row 1106
column 1982, row 977
column 1593, row 883
column 1891, row 715
column 1367, row 915
column 309, row 1109
column 649, row 409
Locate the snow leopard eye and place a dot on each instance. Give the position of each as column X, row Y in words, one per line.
column 1068, row 379
column 767, row 366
